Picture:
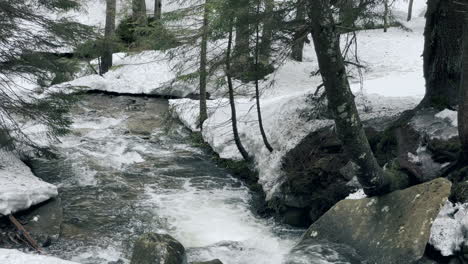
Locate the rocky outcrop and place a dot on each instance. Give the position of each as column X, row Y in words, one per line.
column 394, row 228
column 154, row 248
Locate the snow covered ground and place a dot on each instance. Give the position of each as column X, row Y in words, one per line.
column 19, row 188
column 12, row 256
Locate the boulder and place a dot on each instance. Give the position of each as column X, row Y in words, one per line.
column 393, row 228
column 214, row 261
column 154, row 248
column 44, row 221
column 311, row 251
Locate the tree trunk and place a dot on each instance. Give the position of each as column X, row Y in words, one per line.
column 257, row 88
column 463, row 106
column 385, row 16
column 241, row 47
column 203, row 62
column 106, row 62
column 237, row 140
column 341, row 102
column 410, row 10
column 267, row 34
column 442, row 55
column 300, row 36
column 157, row 9
column 139, row 12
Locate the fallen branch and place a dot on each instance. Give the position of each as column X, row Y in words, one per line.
column 25, row 233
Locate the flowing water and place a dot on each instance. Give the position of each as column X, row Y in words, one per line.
column 124, row 171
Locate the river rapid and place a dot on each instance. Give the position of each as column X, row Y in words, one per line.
column 128, row 168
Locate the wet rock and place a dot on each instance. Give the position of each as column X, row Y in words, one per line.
column 394, row 228
column 311, row 251
column 215, row 261
column 44, row 221
column 154, row 248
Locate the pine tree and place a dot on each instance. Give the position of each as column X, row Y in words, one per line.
column 29, row 56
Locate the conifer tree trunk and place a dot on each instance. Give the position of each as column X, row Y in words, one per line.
column 341, row 102
column 241, row 47
column 106, row 61
column 157, row 9
column 257, row 88
column 267, row 34
column 385, row 16
column 463, row 106
column 410, row 10
column 139, row 12
column 442, row 55
column 203, row 62
column 300, row 35
column 235, row 131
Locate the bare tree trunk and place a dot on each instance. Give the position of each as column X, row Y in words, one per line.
column 385, row 16
column 139, row 12
column 203, row 62
column 106, row 62
column 410, row 10
column 237, row 140
column 442, row 55
column 463, row 106
column 300, row 36
column 349, row 129
column 267, row 34
column 157, row 9
column 257, row 89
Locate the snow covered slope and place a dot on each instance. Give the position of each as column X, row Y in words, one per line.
column 19, row 188
column 13, row 256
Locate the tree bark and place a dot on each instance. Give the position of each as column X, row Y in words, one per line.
column 232, row 103
column 203, row 62
column 300, row 36
column 385, row 16
column 257, row 88
column 139, row 12
column 242, row 43
column 442, row 55
column 157, row 9
column 463, row 106
column 267, row 34
column 410, row 10
column 106, row 62
column 349, row 129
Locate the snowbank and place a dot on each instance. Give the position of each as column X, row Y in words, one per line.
column 148, row 72
column 450, row 228
column 13, row 256
column 19, row 188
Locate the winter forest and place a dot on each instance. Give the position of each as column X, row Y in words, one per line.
column 233, row 131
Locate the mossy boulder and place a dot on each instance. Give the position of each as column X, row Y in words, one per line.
column 154, row 248
column 391, row 229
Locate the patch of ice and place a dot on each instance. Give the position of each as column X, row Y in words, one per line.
column 19, row 188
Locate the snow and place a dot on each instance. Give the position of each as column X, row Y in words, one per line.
column 359, row 194
column 19, row 188
column 13, row 256
column 449, row 115
column 450, row 228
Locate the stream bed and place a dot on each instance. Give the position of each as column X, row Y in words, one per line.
column 125, row 170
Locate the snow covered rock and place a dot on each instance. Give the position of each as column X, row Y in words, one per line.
column 19, row 188
column 12, row 256
column 391, row 229
column 450, row 229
